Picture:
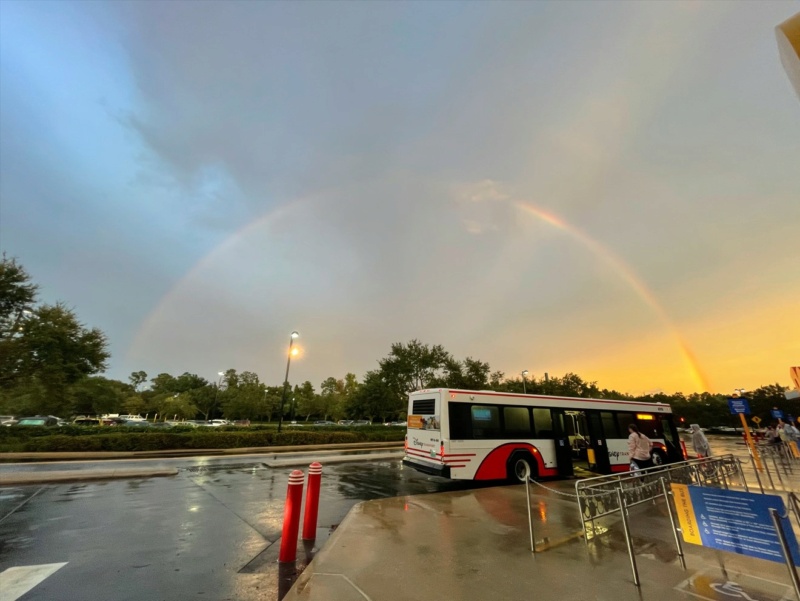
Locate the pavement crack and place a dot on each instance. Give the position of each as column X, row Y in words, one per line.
column 221, row 502
column 21, row 505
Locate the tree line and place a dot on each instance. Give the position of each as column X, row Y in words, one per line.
column 50, row 361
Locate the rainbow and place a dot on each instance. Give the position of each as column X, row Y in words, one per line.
column 616, row 263
column 629, row 276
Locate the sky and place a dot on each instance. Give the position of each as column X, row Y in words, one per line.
column 609, row 189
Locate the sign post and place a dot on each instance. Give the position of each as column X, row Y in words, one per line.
column 742, row 407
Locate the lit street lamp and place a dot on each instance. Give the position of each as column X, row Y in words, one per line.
column 286, row 379
column 524, row 389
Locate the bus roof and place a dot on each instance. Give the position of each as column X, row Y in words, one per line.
column 536, row 396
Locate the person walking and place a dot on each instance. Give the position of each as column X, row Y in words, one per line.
column 792, row 433
column 700, row 442
column 639, row 448
column 771, row 436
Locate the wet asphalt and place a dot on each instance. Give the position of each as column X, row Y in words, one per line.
column 206, row 533
column 211, row 532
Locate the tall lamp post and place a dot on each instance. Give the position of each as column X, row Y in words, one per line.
column 524, row 388
column 286, row 379
column 221, row 375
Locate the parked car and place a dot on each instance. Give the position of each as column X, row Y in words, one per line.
column 216, row 423
column 86, row 421
column 135, row 423
column 396, row 424
column 324, row 423
column 345, row 422
column 38, row 420
column 362, row 422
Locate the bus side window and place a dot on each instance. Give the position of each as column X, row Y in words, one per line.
column 460, row 421
column 609, row 425
column 543, row 422
column 517, row 421
column 623, row 421
column 485, row 421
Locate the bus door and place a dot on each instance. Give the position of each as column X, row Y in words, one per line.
column 563, row 447
column 598, row 446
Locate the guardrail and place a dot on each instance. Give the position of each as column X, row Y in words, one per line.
column 604, row 495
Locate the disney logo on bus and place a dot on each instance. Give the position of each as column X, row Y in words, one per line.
column 418, row 443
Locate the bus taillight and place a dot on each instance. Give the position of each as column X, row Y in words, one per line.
column 405, row 444
column 683, row 448
column 441, row 451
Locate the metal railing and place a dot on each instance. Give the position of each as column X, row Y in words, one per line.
column 604, row 495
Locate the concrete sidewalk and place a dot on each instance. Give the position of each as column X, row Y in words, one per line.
column 474, row 545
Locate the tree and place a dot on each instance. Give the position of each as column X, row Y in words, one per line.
column 413, row 366
column 306, row 401
column 179, row 406
column 136, row 379
column 56, row 350
column 17, row 296
column 134, row 405
column 244, row 397
column 374, row 399
column 97, row 395
column 44, row 349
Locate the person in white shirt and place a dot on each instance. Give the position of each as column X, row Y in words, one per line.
column 639, row 448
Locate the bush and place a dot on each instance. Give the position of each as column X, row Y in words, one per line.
column 71, row 439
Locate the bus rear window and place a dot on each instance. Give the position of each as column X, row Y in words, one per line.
column 424, row 407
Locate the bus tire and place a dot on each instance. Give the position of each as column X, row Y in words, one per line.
column 516, row 467
column 659, row 457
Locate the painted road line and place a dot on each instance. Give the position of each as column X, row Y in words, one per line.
column 16, row 581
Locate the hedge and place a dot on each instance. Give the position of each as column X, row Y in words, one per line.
column 133, row 439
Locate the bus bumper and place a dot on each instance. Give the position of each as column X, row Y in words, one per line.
column 442, row 471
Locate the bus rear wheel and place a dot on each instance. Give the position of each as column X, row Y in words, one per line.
column 521, row 464
column 659, row 457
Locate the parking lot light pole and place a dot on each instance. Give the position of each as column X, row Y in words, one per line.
column 221, row 375
column 286, row 379
column 524, row 389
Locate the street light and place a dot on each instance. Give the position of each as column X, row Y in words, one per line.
column 221, row 375
column 286, row 379
column 524, row 389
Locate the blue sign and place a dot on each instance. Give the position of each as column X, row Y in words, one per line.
column 729, row 520
column 777, row 413
column 739, row 406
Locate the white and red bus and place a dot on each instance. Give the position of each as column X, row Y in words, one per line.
column 484, row 435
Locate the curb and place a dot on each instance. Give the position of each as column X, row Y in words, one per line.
column 90, row 456
column 81, row 475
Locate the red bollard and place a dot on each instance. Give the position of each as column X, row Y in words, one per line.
column 312, row 501
column 291, row 517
